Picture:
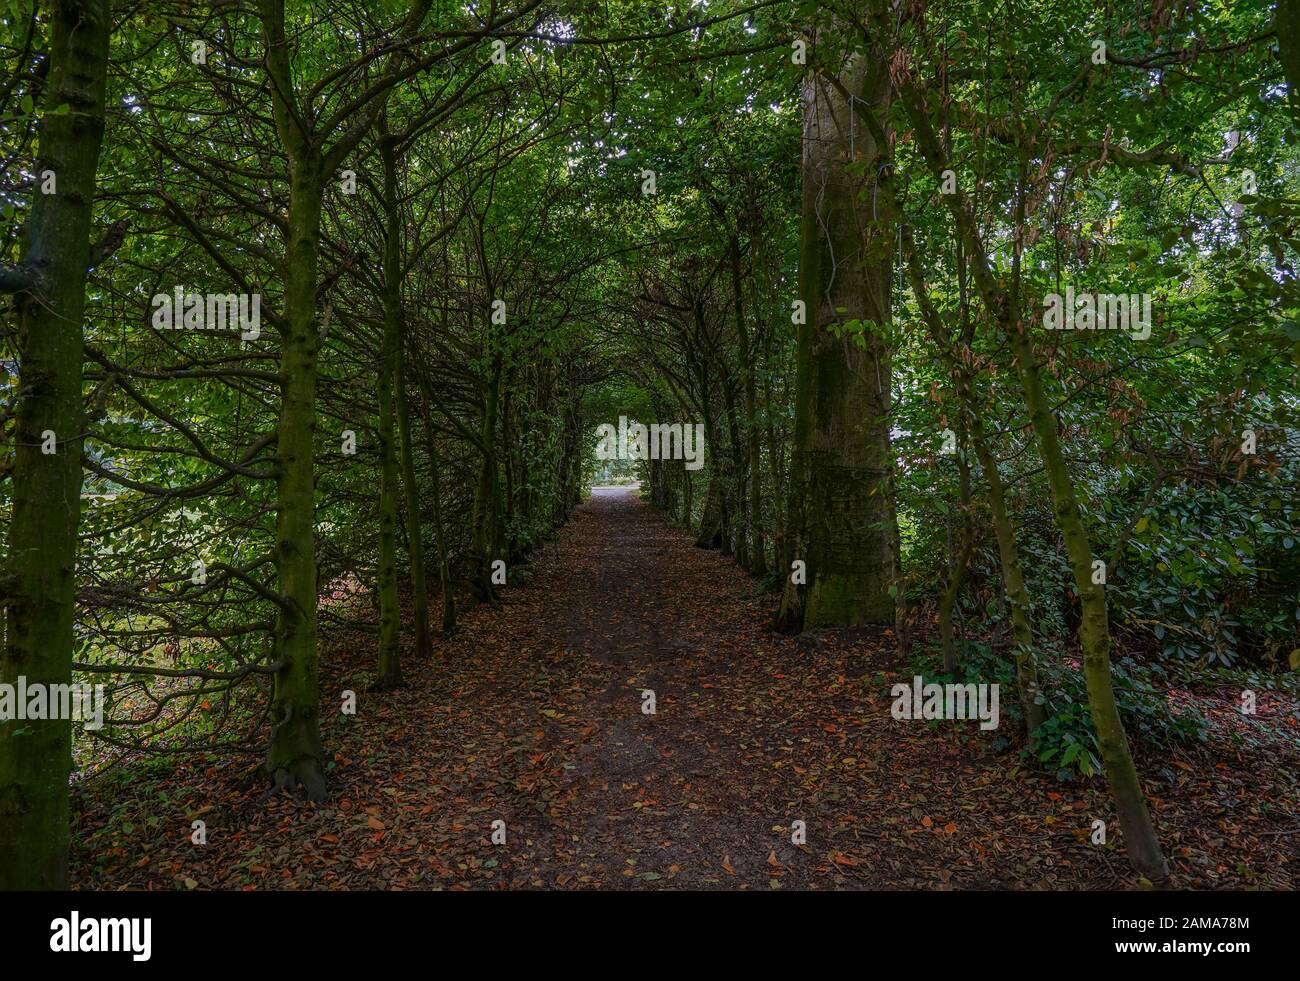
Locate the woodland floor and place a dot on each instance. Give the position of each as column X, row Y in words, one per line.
column 537, row 721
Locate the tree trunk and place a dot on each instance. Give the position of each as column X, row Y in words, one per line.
column 1140, row 838
column 688, row 499
column 511, row 549
column 711, row 529
column 295, row 758
column 736, row 485
column 757, row 561
column 390, row 617
column 776, row 467
column 414, row 523
column 39, row 581
column 1013, row 581
column 842, row 521
column 658, row 483
column 485, row 519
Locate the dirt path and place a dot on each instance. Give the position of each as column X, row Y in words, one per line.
column 538, row 722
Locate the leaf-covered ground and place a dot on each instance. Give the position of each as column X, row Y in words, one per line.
column 537, row 721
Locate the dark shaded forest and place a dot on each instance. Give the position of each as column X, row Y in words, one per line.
column 561, row 444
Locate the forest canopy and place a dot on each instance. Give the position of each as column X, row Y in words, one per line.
column 977, row 322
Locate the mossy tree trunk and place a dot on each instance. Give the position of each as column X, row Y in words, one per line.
column 1141, row 841
column 38, row 583
column 295, row 759
column 841, row 520
column 711, row 532
column 1094, row 629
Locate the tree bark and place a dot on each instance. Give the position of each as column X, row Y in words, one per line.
column 295, row 759
column 414, row 522
column 36, row 756
column 1140, row 838
column 390, row 620
column 736, row 484
column 841, row 520
column 757, row 563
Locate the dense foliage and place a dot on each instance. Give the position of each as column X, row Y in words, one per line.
column 477, row 234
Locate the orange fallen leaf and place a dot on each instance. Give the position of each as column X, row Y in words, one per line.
column 726, row 865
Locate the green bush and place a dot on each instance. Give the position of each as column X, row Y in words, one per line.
column 1068, row 741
